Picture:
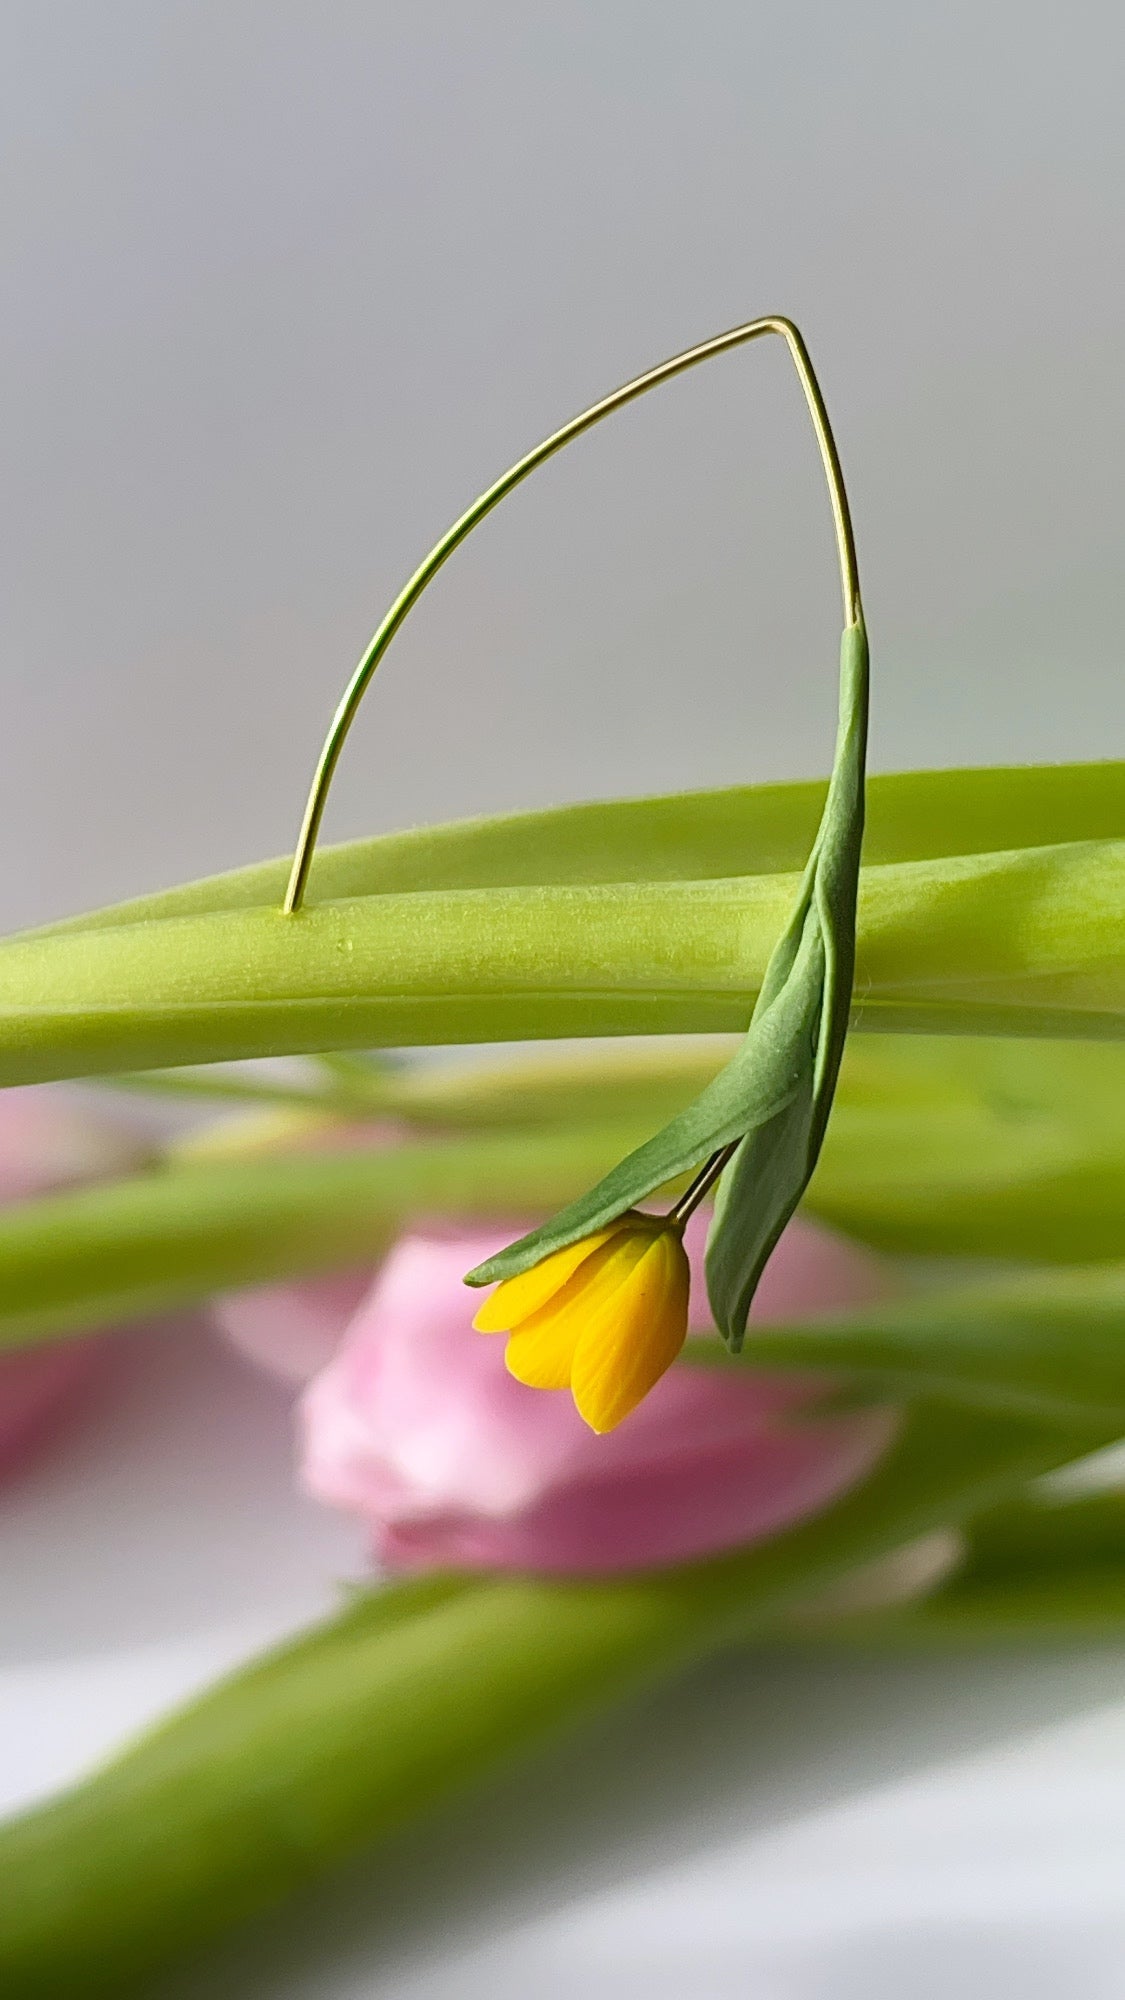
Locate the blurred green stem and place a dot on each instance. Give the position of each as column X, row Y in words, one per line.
column 337, row 1739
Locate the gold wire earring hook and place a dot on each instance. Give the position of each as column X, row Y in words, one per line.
column 454, row 536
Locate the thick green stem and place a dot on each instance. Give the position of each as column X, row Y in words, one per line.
column 1018, row 943
column 339, row 1739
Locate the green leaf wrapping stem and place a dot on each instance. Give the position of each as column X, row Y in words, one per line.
column 336, row 1740
column 775, row 1094
column 799, row 1026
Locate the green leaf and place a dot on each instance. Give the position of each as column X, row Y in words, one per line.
column 339, row 1739
column 1051, row 1344
column 718, row 1115
column 798, row 1028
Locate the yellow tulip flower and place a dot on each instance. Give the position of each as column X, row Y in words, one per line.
column 603, row 1317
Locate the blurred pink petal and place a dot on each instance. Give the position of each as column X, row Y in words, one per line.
column 39, row 1386
column 48, row 1141
column 417, row 1426
column 292, row 1330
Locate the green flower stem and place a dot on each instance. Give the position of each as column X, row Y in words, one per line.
column 335, row 1741
column 594, row 1087
column 1043, row 1568
column 1078, row 1608
column 118, row 1251
column 1017, row 943
column 218, row 1085
column 953, row 1149
column 1052, row 1343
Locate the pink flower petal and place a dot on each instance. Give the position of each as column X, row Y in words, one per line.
column 48, row 1140
column 292, row 1330
column 417, row 1426
column 38, row 1388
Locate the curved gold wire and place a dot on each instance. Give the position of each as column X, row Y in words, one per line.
column 454, row 536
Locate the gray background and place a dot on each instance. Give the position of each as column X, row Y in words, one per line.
column 285, row 285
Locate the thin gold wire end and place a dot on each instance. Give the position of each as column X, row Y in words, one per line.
column 681, row 1212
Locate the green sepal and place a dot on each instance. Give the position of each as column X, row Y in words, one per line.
column 776, row 1092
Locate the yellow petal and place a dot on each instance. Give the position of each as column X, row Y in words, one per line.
column 633, row 1335
column 541, row 1349
column 515, row 1299
column 541, row 1356
column 596, row 1278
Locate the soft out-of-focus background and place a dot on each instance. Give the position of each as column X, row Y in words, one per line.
column 284, row 287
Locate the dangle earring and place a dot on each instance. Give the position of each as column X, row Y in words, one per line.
column 596, row 1298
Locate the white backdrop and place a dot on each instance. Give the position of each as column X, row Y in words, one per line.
column 285, row 285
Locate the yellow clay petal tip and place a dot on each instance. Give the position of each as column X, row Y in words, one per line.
column 486, row 1319
column 479, row 1325
column 542, row 1359
column 603, row 1317
column 515, row 1299
column 634, row 1336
